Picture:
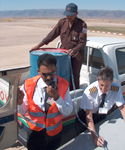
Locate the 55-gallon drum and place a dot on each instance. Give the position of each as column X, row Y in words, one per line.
column 63, row 65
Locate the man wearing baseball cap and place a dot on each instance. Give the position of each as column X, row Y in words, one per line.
column 73, row 34
column 71, row 9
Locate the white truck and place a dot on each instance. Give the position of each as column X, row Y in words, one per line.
column 99, row 52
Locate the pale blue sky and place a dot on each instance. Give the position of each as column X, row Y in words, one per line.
column 60, row 4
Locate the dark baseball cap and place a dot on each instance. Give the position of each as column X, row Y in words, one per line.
column 71, row 9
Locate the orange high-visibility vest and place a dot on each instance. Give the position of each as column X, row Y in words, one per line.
column 38, row 119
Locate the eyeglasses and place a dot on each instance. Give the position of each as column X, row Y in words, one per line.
column 48, row 74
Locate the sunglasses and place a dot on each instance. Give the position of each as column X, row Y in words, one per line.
column 48, row 74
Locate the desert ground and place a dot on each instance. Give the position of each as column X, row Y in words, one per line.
column 18, row 36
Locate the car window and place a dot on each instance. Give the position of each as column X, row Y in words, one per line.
column 95, row 58
column 120, row 56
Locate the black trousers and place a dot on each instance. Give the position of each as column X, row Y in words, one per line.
column 41, row 141
column 76, row 67
column 82, row 115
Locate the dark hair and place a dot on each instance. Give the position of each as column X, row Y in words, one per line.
column 105, row 74
column 46, row 60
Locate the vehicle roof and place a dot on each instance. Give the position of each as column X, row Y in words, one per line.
column 102, row 41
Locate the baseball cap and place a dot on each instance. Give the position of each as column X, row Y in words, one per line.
column 71, row 9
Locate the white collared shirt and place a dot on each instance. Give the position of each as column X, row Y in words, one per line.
column 65, row 106
column 93, row 100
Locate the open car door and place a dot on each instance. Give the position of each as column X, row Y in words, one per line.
column 9, row 80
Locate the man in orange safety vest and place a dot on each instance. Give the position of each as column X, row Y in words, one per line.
column 42, row 101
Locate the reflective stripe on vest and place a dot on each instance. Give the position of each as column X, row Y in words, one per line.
column 34, row 123
column 38, row 114
column 53, row 127
column 53, row 115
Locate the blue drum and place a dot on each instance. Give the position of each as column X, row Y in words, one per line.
column 63, row 65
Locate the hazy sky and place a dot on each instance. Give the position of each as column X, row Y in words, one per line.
column 60, row 4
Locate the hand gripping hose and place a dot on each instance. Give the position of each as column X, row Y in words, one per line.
column 75, row 106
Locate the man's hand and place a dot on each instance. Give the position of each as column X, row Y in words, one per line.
column 20, row 96
column 122, row 109
column 71, row 52
column 99, row 141
column 38, row 46
column 53, row 92
column 35, row 48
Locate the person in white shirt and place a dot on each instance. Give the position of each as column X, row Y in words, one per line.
column 44, row 115
column 98, row 99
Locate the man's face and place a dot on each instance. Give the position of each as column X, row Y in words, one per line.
column 104, row 85
column 47, row 73
column 72, row 18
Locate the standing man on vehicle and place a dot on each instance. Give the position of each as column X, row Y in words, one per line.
column 73, row 34
column 43, row 105
column 98, row 99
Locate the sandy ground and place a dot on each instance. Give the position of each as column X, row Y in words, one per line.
column 18, row 36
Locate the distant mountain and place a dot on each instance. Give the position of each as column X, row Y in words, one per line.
column 58, row 13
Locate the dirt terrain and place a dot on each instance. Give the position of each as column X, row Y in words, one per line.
column 18, row 36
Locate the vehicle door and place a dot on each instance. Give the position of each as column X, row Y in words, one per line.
column 9, row 80
column 120, row 61
column 94, row 61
